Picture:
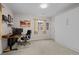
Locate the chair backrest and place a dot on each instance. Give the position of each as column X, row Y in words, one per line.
column 28, row 32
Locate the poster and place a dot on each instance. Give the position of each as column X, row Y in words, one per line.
column 25, row 23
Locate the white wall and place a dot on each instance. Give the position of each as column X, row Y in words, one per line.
column 52, row 28
column 67, row 29
column 38, row 36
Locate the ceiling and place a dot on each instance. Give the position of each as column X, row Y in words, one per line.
column 33, row 9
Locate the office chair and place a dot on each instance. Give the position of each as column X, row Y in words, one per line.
column 26, row 37
column 28, row 34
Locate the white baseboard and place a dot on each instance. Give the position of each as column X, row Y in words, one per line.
column 0, row 52
column 52, row 39
column 40, row 39
column 74, row 49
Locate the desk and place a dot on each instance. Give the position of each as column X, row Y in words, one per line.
column 12, row 39
column 6, row 36
column 10, row 36
column 5, row 42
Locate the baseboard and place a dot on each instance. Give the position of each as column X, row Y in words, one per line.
column 0, row 52
column 41, row 39
column 74, row 49
column 52, row 39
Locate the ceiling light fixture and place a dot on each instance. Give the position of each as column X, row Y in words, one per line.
column 43, row 6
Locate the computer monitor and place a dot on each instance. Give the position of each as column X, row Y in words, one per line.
column 17, row 31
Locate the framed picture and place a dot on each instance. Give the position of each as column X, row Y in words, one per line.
column 25, row 23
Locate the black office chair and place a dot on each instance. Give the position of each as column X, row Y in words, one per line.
column 28, row 34
column 26, row 37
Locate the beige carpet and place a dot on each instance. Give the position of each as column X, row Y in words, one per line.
column 42, row 47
